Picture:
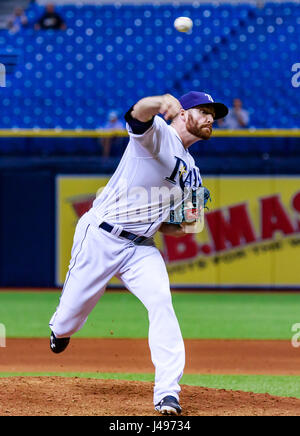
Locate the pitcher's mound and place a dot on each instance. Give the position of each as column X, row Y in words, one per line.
column 34, row 396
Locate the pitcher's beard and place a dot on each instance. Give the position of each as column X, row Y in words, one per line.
column 203, row 132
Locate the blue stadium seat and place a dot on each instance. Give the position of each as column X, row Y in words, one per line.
column 111, row 55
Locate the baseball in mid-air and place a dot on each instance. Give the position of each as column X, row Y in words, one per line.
column 183, row 24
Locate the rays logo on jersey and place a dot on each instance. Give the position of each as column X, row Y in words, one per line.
column 186, row 178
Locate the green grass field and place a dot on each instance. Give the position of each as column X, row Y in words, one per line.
column 201, row 315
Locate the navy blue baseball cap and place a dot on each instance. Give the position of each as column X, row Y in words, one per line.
column 194, row 98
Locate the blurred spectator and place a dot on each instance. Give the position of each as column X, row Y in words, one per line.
column 237, row 118
column 260, row 4
column 50, row 20
column 17, row 20
column 113, row 123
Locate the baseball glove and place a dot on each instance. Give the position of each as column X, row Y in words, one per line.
column 190, row 209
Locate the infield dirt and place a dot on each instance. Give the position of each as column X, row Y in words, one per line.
column 77, row 396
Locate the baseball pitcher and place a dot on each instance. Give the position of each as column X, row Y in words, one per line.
column 115, row 237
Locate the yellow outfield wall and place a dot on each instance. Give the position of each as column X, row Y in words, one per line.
column 251, row 235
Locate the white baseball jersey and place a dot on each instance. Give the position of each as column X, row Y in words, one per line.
column 154, row 170
column 155, row 158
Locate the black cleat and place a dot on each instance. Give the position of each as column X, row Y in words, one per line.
column 168, row 406
column 58, row 345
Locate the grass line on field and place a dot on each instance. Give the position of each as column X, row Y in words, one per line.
column 282, row 386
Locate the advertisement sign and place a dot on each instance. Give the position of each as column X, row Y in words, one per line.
column 251, row 235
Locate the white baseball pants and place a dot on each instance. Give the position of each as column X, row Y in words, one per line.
column 97, row 256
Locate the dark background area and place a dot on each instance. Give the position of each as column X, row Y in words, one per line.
column 27, row 190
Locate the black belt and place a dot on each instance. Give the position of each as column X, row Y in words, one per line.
column 124, row 234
